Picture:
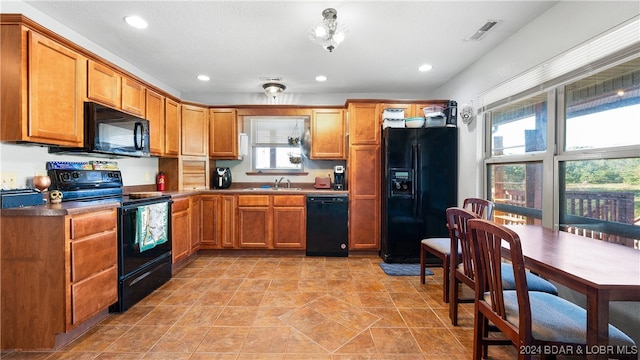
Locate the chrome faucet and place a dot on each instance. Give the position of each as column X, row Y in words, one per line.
column 278, row 181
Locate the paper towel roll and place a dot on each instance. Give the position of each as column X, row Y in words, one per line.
column 243, row 145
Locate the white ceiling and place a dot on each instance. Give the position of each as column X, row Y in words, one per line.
column 238, row 42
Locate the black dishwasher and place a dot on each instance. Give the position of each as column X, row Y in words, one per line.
column 327, row 225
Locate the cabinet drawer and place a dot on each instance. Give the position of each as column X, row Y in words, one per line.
column 180, row 205
column 93, row 223
column 93, row 295
column 289, row 200
column 92, row 255
column 253, row 200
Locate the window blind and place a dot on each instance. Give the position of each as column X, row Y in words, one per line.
column 620, row 44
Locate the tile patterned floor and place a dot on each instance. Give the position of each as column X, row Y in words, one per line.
column 287, row 307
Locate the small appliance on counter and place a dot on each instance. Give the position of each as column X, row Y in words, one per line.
column 338, row 177
column 221, row 178
column 322, row 182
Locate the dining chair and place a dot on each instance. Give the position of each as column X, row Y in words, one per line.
column 441, row 247
column 461, row 264
column 528, row 319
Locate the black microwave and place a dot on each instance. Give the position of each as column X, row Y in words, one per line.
column 111, row 132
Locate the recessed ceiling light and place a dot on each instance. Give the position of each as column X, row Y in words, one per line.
column 321, row 78
column 136, row 21
column 203, row 78
column 425, row 67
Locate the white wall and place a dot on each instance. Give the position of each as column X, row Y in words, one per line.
column 564, row 26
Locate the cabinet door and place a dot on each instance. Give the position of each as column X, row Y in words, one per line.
column 172, row 120
column 195, row 208
column 180, row 225
column 56, row 93
column 254, row 221
column 210, row 222
column 133, row 97
column 364, row 197
column 194, row 131
column 289, row 228
column 227, row 221
column 254, row 230
column 155, row 114
column 364, row 127
column 223, row 134
column 328, row 134
column 104, row 85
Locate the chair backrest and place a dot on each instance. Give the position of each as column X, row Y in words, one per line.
column 487, row 239
column 457, row 223
column 482, row 207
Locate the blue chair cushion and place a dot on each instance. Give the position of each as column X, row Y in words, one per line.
column 556, row 319
column 442, row 245
column 534, row 283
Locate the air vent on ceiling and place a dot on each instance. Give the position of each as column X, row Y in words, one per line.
column 270, row 78
column 483, row 30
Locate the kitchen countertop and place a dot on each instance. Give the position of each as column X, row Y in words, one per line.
column 78, row 207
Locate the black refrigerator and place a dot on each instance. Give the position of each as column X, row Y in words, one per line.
column 420, row 181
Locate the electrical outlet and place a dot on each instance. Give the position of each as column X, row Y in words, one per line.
column 9, row 181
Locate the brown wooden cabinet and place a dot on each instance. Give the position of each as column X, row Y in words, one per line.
column 364, row 197
column 223, row 134
column 43, row 87
column 155, row 115
column 364, row 126
column 58, row 270
column 328, row 134
column 172, row 121
column 110, row 88
column 210, row 222
column 194, row 130
column 254, row 221
column 289, row 222
column 180, row 229
column 228, row 207
column 195, row 209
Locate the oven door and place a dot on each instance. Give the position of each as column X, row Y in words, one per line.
column 140, row 224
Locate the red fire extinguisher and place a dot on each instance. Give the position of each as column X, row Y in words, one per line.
column 160, row 181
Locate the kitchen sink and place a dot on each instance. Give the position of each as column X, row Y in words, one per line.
column 273, row 189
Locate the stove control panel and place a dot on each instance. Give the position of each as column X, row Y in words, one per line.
column 67, row 179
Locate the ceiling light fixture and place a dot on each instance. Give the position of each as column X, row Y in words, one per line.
column 321, row 78
column 272, row 90
column 203, row 77
column 329, row 33
column 136, row 21
column 425, row 67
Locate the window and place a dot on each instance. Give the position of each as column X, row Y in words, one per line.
column 520, row 127
column 600, row 189
column 275, row 143
column 593, row 120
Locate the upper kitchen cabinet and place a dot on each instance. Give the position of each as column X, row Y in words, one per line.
column 194, row 130
column 43, row 87
column 110, row 88
column 172, row 121
column 155, row 115
column 223, row 134
column 328, row 134
column 364, row 127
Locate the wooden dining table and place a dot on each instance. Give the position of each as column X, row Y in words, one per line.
column 600, row 270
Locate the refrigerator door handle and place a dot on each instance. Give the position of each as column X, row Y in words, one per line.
column 417, row 191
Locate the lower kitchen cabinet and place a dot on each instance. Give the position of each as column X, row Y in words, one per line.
column 276, row 221
column 57, row 272
column 227, row 218
column 364, row 197
column 180, row 229
column 210, row 222
column 289, row 222
column 254, row 221
column 195, row 207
